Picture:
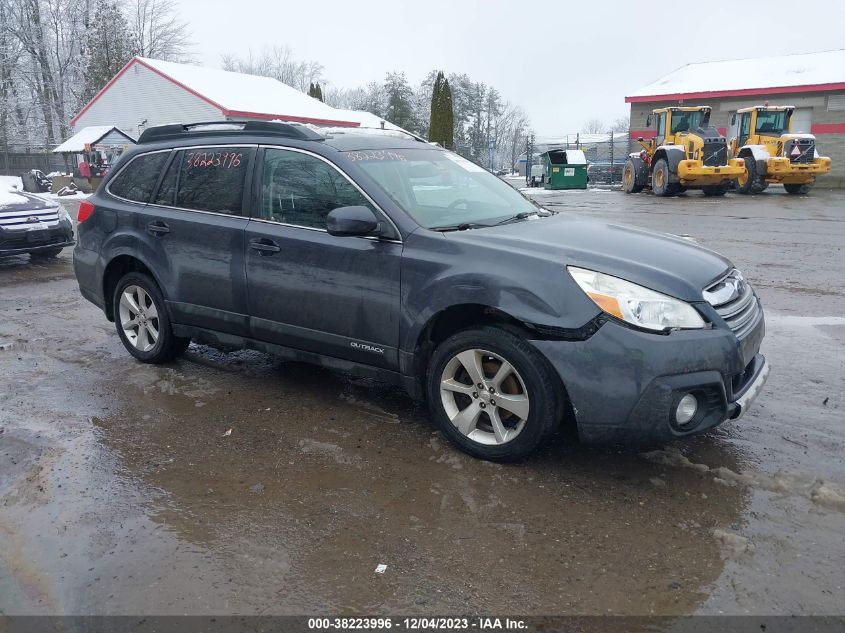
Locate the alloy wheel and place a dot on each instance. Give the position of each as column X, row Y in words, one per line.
column 139, row 318
column 484, row 397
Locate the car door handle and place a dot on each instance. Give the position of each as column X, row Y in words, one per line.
column 158, row 228
column 264, row 246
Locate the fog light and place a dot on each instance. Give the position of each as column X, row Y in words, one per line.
column 686, row 410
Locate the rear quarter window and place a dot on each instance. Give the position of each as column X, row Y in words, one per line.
column 137, row 180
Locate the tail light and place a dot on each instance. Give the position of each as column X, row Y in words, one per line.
column 85, row 210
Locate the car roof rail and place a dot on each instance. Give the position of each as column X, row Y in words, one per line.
column 217, row 128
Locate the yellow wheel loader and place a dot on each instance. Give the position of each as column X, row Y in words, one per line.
column 772, row 154
column 686, row 153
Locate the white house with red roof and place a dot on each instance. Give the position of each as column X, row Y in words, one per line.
column 812, row 82
column 148, row 92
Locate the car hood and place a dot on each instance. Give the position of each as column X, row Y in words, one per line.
column 659, row 261
column 12, row 200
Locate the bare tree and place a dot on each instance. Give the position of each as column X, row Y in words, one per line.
column 278, row 63
column 594, row 126
column 157, row 30
column 620, row 125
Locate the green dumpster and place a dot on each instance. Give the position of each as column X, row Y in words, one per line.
column 565, row 169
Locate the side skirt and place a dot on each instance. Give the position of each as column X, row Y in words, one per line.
column 233, row 341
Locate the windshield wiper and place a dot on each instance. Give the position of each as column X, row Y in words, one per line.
column 459, row 227
column 524, row 215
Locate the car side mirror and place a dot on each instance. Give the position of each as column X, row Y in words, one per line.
column 648, row 121
column 350, row 221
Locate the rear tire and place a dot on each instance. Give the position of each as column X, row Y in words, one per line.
column 660, row 179
column 510, row 370
column 142, row 322
column 796, row 190
column 629, row 178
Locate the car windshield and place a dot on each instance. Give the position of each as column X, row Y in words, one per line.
column 685, row 121
column 440, row 189
column 771, row 122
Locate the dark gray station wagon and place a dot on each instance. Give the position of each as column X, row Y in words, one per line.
column 384, row 255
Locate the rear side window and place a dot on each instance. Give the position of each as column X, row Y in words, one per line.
column 136, row 181
column 212, row 178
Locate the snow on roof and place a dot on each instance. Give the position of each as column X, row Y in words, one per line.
column 795, row 73
column 87, row 135
column 238, row 94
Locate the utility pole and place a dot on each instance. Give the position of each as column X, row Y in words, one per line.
column 529, row 157
column 611, row 157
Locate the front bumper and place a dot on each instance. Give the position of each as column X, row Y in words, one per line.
column 624, row 385
column 35, row 240
column 695, row 172
column 782, row 170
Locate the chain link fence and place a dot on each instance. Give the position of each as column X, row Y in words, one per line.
column 605, row 153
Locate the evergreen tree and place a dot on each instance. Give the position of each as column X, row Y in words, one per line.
column 110, row 46
column 447, row 116
column 435, row 125
column 400, row 101
column 318, row 92
column 311, row 91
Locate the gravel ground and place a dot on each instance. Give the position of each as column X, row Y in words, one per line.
column 120, row 494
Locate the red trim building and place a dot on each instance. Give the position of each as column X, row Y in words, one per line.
column 814, row 83
column 149, row 92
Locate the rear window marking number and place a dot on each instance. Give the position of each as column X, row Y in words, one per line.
column 227, row 160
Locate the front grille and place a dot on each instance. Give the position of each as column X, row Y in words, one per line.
column 735, row 301
column 715, row 154
column 33, row 217
column 800, row 150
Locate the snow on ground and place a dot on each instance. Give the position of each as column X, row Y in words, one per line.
column 9, row 183
column 52, row 196
column 536, row 191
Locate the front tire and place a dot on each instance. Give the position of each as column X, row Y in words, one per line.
column 143, row 325
column 796, row 189
column 745, row 184
column 493, row 394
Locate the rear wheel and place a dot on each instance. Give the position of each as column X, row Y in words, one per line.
column 660, row 179
column 796, row 189
column 629, row 178
column 715, row 190
column 493, row 394
column 142, row 322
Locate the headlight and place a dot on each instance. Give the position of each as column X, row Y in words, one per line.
column 63, row 214
column 635, row 304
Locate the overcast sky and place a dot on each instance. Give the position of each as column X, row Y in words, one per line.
column 564, row 62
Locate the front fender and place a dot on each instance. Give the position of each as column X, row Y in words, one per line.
column 674, row 154
column 758, row 154
column 438, row 274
